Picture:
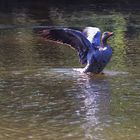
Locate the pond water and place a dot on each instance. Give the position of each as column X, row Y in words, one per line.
column 42, row 98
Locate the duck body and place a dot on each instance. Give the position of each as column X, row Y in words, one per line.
column 87, row 44
column 98, row 59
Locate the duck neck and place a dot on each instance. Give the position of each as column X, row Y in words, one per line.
column 104, row 42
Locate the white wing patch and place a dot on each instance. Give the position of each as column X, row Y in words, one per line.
column 90, row 32
column 102, row 49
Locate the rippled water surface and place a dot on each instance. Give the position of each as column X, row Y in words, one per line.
column 43, row 98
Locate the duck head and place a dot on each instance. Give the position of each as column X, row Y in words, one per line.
column 105, row 36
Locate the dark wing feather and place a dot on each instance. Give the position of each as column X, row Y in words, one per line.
column 71, row 37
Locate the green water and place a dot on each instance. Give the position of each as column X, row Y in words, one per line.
column 42, row 98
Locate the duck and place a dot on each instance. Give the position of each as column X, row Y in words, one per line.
column 90, row 45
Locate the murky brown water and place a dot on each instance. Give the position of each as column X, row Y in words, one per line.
column 42, row 98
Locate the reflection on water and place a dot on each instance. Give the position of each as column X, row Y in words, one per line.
column 96, row 105
column 42, row 97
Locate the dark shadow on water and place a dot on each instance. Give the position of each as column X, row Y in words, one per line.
column 77, row 72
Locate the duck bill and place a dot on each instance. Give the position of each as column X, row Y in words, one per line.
column 110, row 34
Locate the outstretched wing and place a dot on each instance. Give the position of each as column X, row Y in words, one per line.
column 71, row 37
column 93, row 34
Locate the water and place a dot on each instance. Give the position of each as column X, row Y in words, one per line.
column 42, row 97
